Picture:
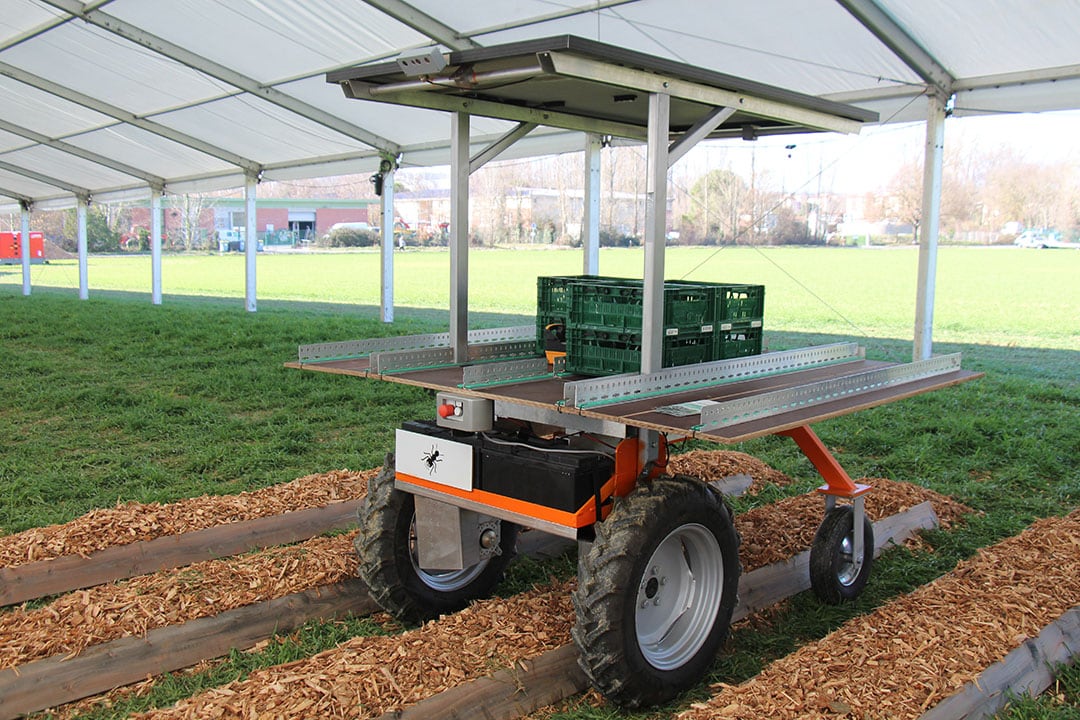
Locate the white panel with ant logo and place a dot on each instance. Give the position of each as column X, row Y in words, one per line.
column 436, row 460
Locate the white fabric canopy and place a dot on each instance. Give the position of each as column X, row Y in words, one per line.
column 106, row 99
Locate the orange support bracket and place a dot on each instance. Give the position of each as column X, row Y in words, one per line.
column 837, row 481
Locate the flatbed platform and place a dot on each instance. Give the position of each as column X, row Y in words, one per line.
column 548, row 394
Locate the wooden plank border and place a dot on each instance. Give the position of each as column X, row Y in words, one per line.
column 1027, row 670
column 62, row 679
column 555, row 675
column 72, row 572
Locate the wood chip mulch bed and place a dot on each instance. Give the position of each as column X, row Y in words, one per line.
column 132, row 522
column 133, row 607
column 374, row 675
column 775, row 532
column 366, row 677
column 912, row 653
column 713, row 465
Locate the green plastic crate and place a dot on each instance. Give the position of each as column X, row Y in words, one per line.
column 731, row 301
column 553, row 300
column 740, row 302
column 618, row 306
column 609, row 352
column 737, row 339
column 602, row 320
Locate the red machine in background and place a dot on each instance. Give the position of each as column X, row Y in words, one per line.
column 11, row 247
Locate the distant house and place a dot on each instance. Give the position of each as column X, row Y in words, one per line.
column 279, row 221
column 522, row 214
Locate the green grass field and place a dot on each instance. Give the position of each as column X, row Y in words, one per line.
column 994, row 296
column 114, row 399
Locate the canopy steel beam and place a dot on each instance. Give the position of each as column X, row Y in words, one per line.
column 14, row 195
column 1025, row 77
column 487, row 108
column 459, row 236
column 590, row 221
column 24, row 242
column 547, row 17
column 45, row 27
column 161, row 46
column 496, row 148
column 584, row 68
column 386, row 246
column 81, row 243
column 251, row 241
column 70, row 149
column 701, row 130
column 155, row 245
column 652, row 311
column 423, row 23
column 928, row 230
column 47, row 179
column 882, row 25
column 129, row 118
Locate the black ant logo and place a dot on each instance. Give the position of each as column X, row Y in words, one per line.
column 431, row 458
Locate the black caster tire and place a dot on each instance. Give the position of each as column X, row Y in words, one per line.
column 386, row 548
column 834, row 574
column 656, row 591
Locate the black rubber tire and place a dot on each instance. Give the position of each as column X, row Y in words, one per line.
column 616, row 570
column 830, row 565
column 386, row 562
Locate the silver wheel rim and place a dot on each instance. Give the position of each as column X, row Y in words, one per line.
column 442, row 580
column 847, row 571
column 679, row 597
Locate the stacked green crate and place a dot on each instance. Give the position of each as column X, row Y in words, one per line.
column 553, row 306
column 739, row 312
column 602, row 320
column 604, row 333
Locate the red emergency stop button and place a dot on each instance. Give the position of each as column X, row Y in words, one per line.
column 446, row 410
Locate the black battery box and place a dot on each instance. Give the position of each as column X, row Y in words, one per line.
column 547, row 473
column 544, row 472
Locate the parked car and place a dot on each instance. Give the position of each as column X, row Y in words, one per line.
column 1035, row 239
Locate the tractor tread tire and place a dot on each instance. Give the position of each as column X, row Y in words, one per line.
column 385, row 566
column 610, row 656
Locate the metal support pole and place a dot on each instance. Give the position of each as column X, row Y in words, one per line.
column 24, row 242
column 590, row 222
column 155, row 245
column 928, row 230
column 251, row 241
column 837, row 481
column 387, row 247
column 652, row 316
column 459, row 236
column 80, row 215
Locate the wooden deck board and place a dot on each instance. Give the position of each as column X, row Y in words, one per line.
column 548, row 394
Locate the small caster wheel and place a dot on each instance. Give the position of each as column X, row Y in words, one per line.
column 836, row 574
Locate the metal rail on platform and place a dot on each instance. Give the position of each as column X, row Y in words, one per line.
column 351, row 349
column 623, row 388
column 505, row 372
column 754, row 407
column 403, row 360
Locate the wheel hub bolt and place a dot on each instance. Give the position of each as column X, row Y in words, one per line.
column 488, row 539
